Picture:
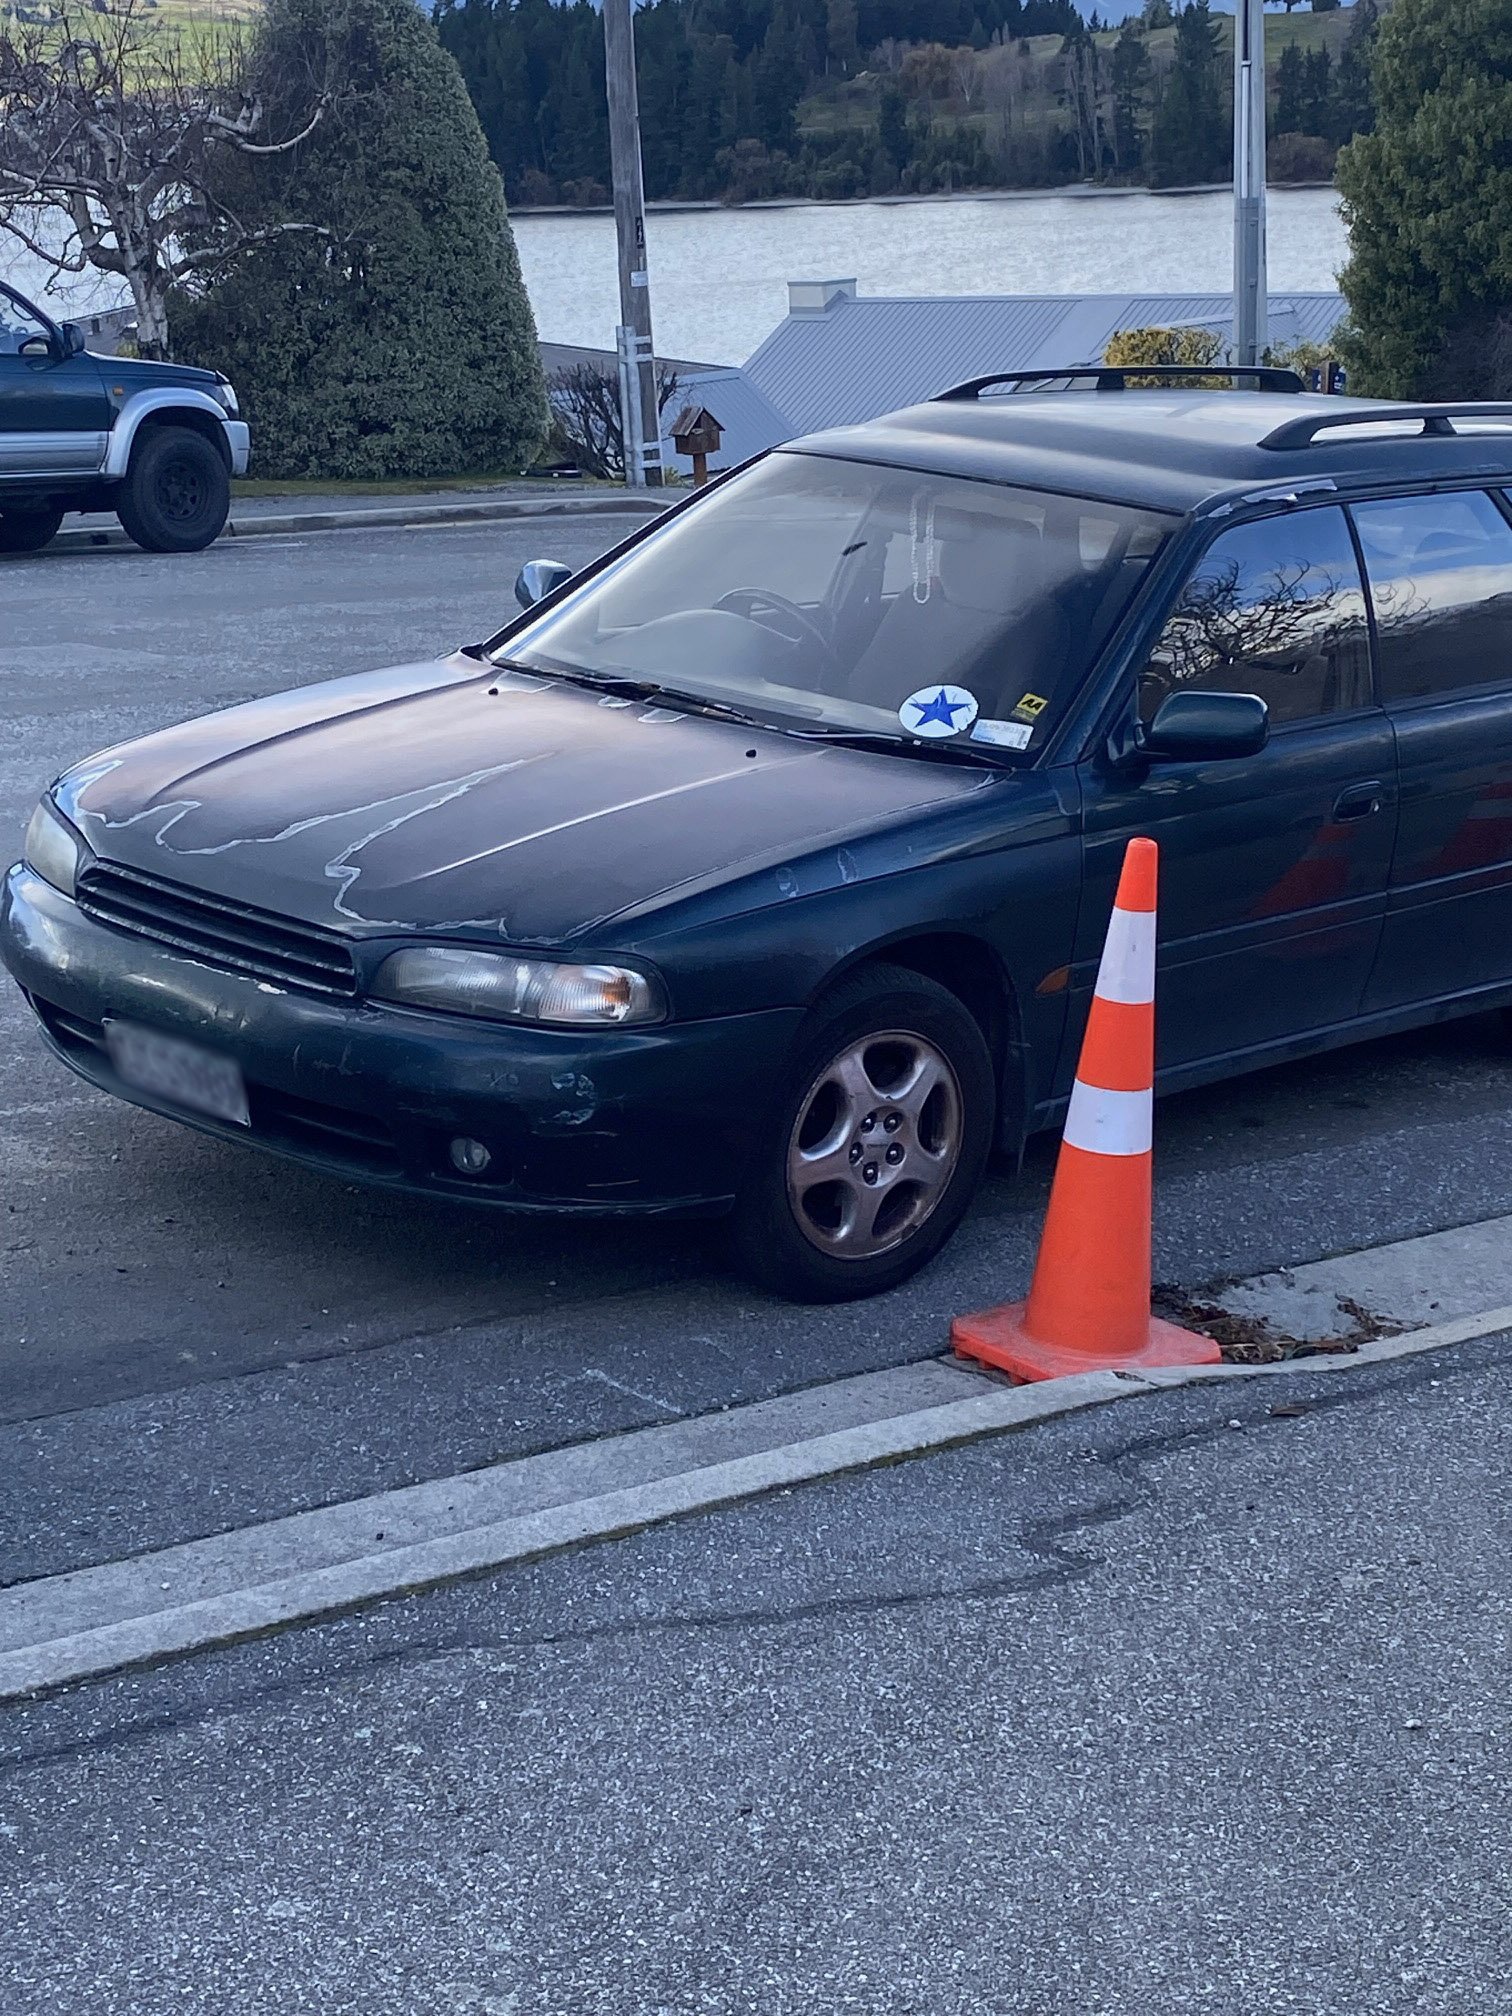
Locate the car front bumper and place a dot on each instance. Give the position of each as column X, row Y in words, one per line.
column 239, row 442
column 607, row 1121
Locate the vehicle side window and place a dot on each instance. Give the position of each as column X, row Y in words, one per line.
column 18, row 325
column 1275, row 608
column 1440, row 572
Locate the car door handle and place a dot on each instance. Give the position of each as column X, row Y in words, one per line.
column 1359, row 801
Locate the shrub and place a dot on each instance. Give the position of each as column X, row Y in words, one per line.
column 1184, row 346
column 1428, row 198
column 387, row 333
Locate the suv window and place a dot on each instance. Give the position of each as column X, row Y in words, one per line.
column 1275, row 608
column 18, row 325
column 1440, row 571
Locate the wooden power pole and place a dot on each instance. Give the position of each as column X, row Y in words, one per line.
column 1250, row 302
column 637, row 359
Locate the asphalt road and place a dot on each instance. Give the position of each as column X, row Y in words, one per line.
column 1183, row 1708
column 192, row 1336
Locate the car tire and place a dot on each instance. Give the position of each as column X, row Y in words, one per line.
column 177, row 493
column 27, row 531
column 888, row 1061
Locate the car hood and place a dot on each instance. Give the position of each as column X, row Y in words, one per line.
column 141, row 374
column 433, row 798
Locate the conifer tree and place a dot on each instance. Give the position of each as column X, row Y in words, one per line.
column 396, row 339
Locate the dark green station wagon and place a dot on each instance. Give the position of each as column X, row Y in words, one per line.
column 157, row 444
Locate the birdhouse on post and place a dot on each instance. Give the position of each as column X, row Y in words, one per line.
column 697, row 434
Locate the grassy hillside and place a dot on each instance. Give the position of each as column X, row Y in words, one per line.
column 1022, row 80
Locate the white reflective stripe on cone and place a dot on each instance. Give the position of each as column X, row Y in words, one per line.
column 1109, row 1123
column 1127, row 969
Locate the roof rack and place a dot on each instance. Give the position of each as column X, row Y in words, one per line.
column 1438, row 421
column 1115, row 377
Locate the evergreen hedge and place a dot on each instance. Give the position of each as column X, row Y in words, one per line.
column 1428, row 201
column 396, row 339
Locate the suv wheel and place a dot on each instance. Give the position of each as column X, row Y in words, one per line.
column 177, row 492
column 874, row 1152
column 27, row 531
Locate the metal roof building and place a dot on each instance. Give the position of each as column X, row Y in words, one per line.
column 839, row 358
column 750, row 421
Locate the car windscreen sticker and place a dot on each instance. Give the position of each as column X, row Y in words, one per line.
column 1003, row 734
column 938, row 710
column 1030, row 707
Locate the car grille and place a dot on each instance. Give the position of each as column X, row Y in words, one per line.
column 230, row 935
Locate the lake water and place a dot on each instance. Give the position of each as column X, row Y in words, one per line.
column 719, row 277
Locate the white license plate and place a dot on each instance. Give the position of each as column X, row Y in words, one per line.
column 181, row 1072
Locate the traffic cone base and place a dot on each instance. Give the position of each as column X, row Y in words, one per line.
column 997, row 1337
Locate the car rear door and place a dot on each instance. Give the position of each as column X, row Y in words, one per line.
column 1273, row 867
column 54, row 410
column 1439, row 569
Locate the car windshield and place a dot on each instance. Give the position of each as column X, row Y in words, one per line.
column 843, row 597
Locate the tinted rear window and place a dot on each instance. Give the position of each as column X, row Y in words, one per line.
column 1440, row 573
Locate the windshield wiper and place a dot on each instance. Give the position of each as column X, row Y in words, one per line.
column 933, row 751
column 621, row 686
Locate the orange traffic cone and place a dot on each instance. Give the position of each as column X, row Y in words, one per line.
column 1089, row 1303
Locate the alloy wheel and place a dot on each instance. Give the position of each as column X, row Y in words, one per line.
column 875, row 1144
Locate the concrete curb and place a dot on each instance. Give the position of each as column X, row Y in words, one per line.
column 165, row 1630
column 484, row 510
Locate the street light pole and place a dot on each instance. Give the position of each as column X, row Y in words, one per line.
column 1250, row 302
column 637, row 359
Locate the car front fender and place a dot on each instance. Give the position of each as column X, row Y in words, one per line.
column 162, row 399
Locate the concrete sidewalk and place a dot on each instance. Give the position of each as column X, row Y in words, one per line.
column 346, row 512
column 1196, row 1706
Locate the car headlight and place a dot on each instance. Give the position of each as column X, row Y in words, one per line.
column 226, row 394
column 53, row 848
column 510, row 989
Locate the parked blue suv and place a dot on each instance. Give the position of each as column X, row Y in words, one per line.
column 157, row 444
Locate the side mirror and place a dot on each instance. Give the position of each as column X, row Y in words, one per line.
column 1193, row 726
column 538, row 579
column 73, row 340
column 35, row 346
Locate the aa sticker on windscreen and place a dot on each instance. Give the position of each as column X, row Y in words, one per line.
column 1030, row 707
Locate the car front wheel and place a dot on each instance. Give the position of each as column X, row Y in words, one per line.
column 27, row 531
column 871, row 1159
column 177, row 492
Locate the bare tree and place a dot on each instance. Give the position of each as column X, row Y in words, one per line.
column 585, row 401
column 966, row 71
column 112, row 127
column 1084, row 96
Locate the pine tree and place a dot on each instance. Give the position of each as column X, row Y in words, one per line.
column 1190, row 141
column 1290, row 89
column 1129, row 77
column 892, row 128
column 1317, row 90
column 1353, row 109
column 395, row 338
column 1428, row 197
column 840, row 35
